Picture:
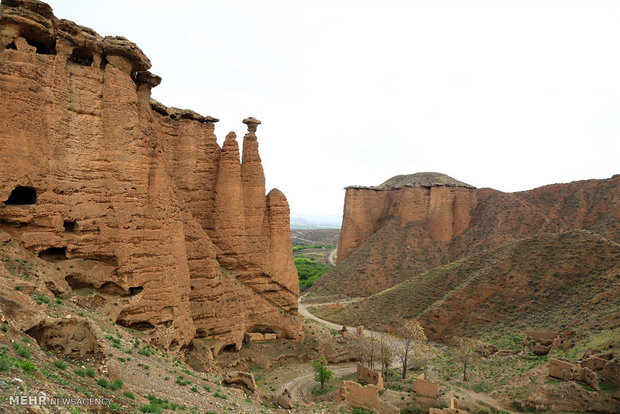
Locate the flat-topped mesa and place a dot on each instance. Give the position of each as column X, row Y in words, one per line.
column 421, row 179
column 436, row 201
column 138, row 196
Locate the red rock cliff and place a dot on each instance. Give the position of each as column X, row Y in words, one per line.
column 411, row 224
column 441, row 204
column 95, row 173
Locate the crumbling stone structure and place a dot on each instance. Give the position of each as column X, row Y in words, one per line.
column 425, row 387
column 364, row 396
column 565, row 370
column 368, row 376
column 452, row 409
column 541, row 343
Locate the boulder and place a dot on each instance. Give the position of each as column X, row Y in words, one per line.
column 76, row 337
column 240, row 378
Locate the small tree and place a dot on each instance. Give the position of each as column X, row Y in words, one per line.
column 386, row 357
column 466, row 348
column 385, row 353
column 321, row 373
column 409, row 334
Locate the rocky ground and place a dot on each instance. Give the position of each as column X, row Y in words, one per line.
column 41, row 353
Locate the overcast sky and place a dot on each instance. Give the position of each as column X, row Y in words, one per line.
column 504, row 94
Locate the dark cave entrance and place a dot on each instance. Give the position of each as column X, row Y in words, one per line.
column 54, row 254
column 81, row 56
column 70, row 226
column 22, row 196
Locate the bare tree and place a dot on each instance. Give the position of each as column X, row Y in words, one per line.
column 409, row 335
column 465, row 351
column 367, row 350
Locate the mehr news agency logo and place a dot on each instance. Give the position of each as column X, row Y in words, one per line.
column 44, row 400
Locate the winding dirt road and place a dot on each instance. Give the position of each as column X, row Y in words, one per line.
column 332, row 257
column 300, row 387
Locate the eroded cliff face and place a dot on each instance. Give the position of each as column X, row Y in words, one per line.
column 448, row 211
column 444, row 211
column 394, row 231
column 137, row 196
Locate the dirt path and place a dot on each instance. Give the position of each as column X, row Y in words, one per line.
column 332, row 257
column 304, row 383
column 300, row 388
column 492, row 402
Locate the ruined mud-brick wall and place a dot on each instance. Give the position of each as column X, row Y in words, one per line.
column 458, row 220
column 93, row 171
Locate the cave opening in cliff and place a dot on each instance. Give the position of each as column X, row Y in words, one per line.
column 81, row 56
column 134, row 290
column 111, row 288
column 53, row 254
column 22, row 196
column 140, row 325
column 76, row 282
column 11, row 46
column 230, row 348
column 43, row 48
column 70, row 226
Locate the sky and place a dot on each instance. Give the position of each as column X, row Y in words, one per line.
column 505, row 94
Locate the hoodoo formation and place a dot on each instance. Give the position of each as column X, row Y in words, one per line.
column 133, row 199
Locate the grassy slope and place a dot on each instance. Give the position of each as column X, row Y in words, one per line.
column 564, row 280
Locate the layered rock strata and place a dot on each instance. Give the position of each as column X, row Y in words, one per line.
column 452, row 215
column 138, row 197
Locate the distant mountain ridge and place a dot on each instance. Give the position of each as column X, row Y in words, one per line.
column 300, row 223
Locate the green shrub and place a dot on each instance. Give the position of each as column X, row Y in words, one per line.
column 40, row 298
column 358, row 410
column 6, row 362
column 60, row 364
column 309, row 271
column 182, row 381
column 103, row 383
column 312, row 246
column 117, row 384
column 80, row 372
column 129, row 395
column 4, row 327
column 218, row 394
column 157, row 405
column 26, row 366
column 146, row 351
column 90, row 372
column 21, row 350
